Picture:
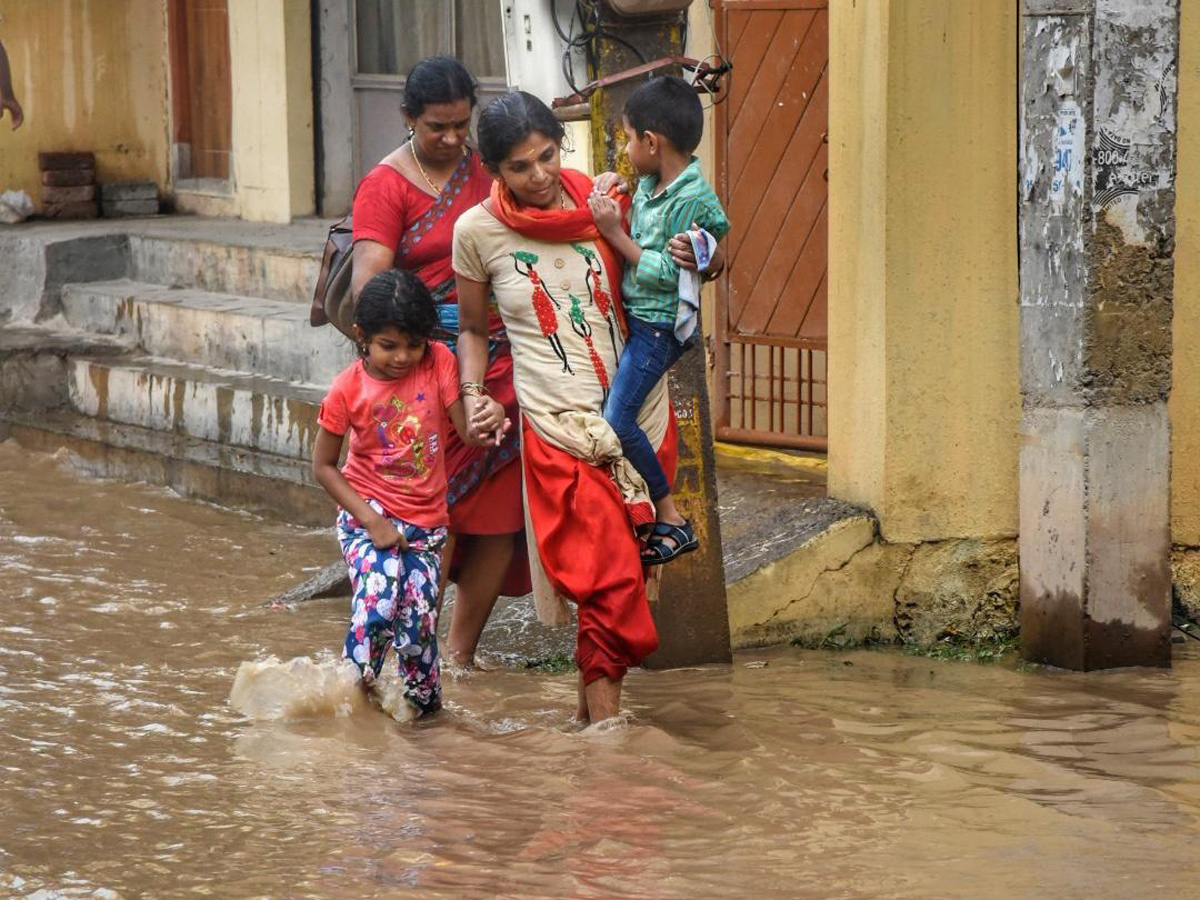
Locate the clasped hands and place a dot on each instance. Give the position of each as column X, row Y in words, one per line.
column 486, row 422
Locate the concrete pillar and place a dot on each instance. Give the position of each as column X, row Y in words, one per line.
column 1097, row 235
column 335, row 99
column 924, row 399
column 270, row 54
column 691, row 610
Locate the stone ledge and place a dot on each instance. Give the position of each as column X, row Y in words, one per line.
column 845, row 579
column 263, row 483
column 838, row 576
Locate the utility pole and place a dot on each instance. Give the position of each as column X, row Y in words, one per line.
column 1097, row 232
column 690, row 612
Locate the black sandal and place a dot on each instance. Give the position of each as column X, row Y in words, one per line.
column 657, row 551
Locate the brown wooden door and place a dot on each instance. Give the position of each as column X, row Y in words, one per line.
column 201, row 96
column 772, row 171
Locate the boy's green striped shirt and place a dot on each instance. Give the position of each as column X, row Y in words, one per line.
column 651, row 289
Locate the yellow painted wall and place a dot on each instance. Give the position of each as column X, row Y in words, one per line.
column 90, row 76
column 858, row 60
column 271, row 72
column 1185, row 392
column 923, row 372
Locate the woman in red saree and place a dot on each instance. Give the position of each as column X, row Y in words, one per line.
column 404, row 215
column 533, row 245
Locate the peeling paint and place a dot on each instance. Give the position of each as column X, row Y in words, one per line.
column 1069, row 141
column 1133, row 155
column 1097, row 271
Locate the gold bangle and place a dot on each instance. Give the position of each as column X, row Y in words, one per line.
column 472, row 389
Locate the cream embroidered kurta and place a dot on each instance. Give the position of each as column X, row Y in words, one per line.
column 566, row 341
column 557, row 309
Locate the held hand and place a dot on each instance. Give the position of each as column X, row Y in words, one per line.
column 487, row 424
column 606, row 213
column 384, row 534
column 606, row 181
column 680, row 246
column 14, row 108
column 494, row 437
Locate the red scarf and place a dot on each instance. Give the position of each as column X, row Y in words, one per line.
column 561, row 226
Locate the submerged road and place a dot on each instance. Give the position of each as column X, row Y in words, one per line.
column 126, row 612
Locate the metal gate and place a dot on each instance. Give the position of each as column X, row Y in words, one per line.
column 772, row 143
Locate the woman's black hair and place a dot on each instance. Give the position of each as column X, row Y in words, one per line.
column 396, row 299
column 508, row 120
column 436, row 79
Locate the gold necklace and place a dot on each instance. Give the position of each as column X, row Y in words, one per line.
column 413, row 150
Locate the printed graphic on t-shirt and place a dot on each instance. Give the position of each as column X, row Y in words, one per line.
column 405, row 452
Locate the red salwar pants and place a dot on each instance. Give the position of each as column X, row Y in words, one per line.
column 588, row 548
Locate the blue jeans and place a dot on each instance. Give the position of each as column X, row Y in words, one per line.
column 652, row 350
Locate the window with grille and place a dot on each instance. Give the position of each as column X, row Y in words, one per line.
column 391, row 36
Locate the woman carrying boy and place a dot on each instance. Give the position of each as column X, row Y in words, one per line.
column 534, row 244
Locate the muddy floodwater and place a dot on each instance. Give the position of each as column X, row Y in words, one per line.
column 126, row 613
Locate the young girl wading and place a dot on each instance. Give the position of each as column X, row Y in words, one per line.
column 395, row 402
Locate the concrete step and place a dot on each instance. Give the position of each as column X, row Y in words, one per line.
column 264, row 483
column 250, row 411
column 207, row 262
column 268, row 337
column 278, row 262
column 34, row 360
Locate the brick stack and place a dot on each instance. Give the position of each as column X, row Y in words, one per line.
column 68, row 185
column 129, row 198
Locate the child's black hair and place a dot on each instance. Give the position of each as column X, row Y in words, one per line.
column 397, row 299
column 508, row 120
column 667, row 105
column 436, row 79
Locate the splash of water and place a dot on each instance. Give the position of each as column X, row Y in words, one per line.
column 271, row 689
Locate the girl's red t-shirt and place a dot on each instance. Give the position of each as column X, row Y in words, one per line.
column 397, row 434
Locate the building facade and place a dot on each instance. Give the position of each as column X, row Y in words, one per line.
column 867, row 150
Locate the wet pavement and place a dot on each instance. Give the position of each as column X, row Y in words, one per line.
column 126, row 613
column 770, row 503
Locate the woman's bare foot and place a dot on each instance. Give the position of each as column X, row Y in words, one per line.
column 457, row 665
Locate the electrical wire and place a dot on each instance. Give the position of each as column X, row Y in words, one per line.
column 720, row 55
column 579, row 13
column 586, row 16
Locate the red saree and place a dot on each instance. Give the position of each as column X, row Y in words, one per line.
column 484, row 485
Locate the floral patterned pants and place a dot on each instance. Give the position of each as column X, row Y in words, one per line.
column 395, row 600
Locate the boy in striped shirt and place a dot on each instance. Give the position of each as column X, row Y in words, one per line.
column 664, row 122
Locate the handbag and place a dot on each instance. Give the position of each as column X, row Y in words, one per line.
column 332, row 301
